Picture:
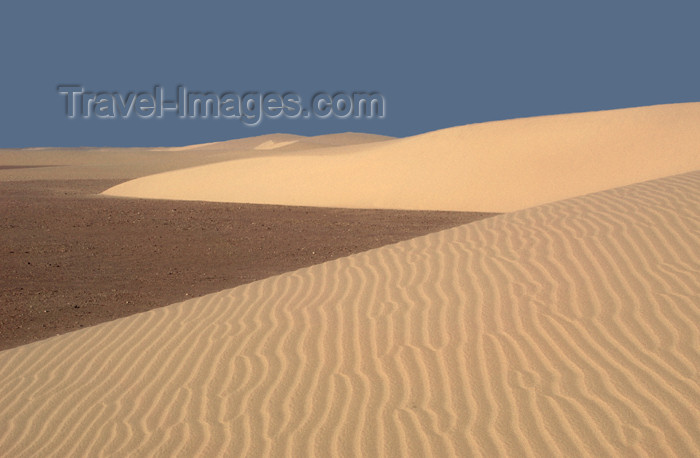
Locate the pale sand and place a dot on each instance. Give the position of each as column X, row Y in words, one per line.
column 271, row 144
column 491, row 167
column 127, row 163
column 561, row 330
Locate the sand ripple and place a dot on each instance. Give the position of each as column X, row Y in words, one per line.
column 568, row 329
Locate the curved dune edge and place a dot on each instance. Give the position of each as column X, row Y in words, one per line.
column 565, row 329
column 491, row 167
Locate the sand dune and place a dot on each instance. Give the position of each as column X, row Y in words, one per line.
column 562, row 330
column 492, row 167
column 126, row 163
column 347, row 138
column 270, row 144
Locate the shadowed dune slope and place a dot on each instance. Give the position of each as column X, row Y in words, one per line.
column 561, row 330
column 492, row 167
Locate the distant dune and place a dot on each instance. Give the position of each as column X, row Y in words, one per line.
column 347, row 138
column 562, row 330
column 492, row 167
column 126, row 163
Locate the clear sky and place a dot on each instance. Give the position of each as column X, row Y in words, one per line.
column 437, row 63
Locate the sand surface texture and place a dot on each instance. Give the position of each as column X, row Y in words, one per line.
column 490, row 167
column 561, row 330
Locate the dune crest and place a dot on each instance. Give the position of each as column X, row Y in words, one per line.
column 492, row 167
column 270, row 144
column 565, row 329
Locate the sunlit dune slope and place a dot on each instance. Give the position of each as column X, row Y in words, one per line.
column 568, row 329
column 495, row 167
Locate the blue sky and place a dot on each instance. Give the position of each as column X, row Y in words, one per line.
column 438, row 64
